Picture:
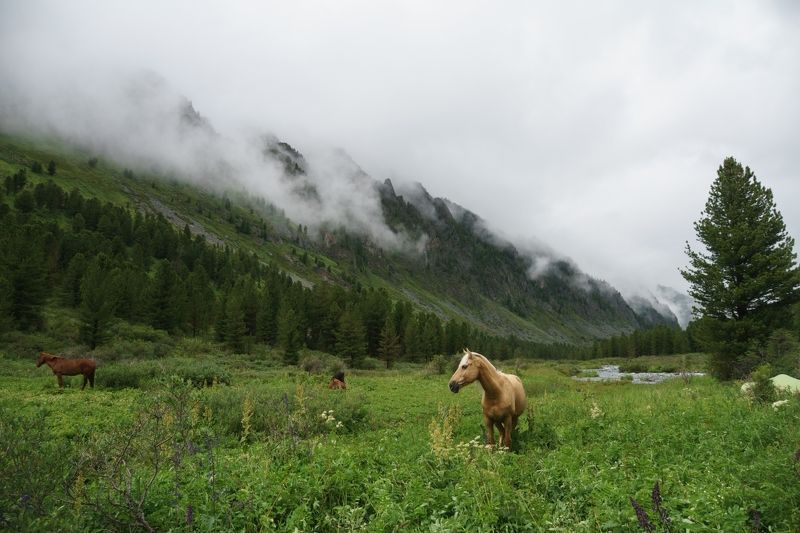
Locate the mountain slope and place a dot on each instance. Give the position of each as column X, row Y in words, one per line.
column 447, row 262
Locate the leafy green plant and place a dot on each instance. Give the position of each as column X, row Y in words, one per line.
column 763, row 390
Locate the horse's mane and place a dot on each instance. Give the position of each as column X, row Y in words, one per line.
column 481, row 357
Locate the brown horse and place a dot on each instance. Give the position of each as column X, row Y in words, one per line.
column 337, row 381
column 503, row 394
column 68, row 367
column 335, row 384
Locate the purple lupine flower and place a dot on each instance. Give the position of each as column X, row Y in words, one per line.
column 662, row 513
column 641, row 516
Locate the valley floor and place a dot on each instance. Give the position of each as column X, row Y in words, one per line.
column 276, row 450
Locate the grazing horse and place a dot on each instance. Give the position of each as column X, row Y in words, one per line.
column 68, row 367
column 503, row 394
column 337, row 382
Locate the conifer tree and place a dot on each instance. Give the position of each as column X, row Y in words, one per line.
column 289, row 334
column 746, row 281
column 389, row 348
column 166, row 298
column 97, row 306
column 413, row 339
column 235, row 329
column 22, row 267
column 200, row 301
column 351, row 343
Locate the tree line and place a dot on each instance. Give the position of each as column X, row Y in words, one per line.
column 660, row 340
column 115, row 263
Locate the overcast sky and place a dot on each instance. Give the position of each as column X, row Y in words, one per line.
column 595, row 128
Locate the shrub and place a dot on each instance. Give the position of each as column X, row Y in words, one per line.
column 312, row 364
column 127, row 331
column 634, row 366
column 195, row 346
column 123, row 475
column 126, row 375
column 21, row 345
column 370, row 363
column 31, row 461
column 763, row 390
column 440, row 364
column 120, row 349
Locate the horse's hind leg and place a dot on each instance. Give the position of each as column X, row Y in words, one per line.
column 501, row 429
column 85, row 379
column 60, row 381
column 91, row 378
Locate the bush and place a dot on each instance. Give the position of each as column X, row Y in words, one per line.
column 763, row 390
column 120, row 349
column 370, row 363
column 20, row 345
column 31, row 461
column 191, row 347
column 127, row 331
column 138, row 374
column 634, row 366
column 312, row 364
column 439, row 365
column 315, row 362
column 126, row 375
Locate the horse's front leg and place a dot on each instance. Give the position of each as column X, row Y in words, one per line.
column 489, row 429
column 507, row 426
column 85, row 379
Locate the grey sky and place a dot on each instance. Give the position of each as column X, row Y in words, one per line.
column 595, row 128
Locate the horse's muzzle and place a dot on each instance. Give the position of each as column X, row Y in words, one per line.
column 454, row 386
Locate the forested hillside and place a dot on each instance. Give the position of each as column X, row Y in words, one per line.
column 97, row 245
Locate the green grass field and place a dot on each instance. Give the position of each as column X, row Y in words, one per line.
column 276, row 450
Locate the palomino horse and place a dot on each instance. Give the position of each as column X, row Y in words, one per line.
column 68, row 367
column 503, row 394
column 337, row 382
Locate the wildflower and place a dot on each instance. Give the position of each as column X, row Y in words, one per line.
column 641, row 516
column 657, row 507
column 595, row 411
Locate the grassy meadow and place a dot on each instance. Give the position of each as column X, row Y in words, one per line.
column 275, row 450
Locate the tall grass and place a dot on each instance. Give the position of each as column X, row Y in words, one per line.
column 277, row 450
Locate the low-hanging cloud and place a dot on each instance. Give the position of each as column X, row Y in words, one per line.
column 137, row 119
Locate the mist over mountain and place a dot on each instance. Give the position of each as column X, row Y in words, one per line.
column 679, row 303
column 651, row 311
column 398, row 231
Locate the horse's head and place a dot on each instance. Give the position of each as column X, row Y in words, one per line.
column 43, row 357
column 467, row 371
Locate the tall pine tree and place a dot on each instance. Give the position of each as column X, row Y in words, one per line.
column 389, row 346
column 97, row 305
column 746, row 281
